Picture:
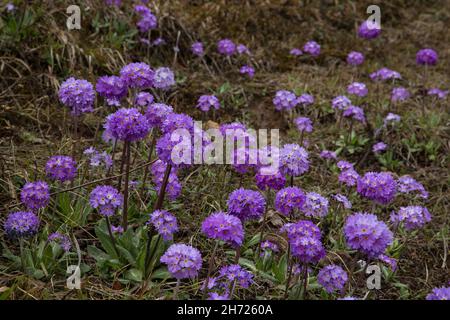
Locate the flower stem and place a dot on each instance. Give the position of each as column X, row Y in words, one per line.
column 210, row 267
column 108, row 225
column 177, row 288
column 144, row 180
column 125, row 191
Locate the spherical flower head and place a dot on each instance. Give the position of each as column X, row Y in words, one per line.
column 205, row 102
column 288, row 200
column 355, row 58
column 440, row 94
column 62, row 239
column 439, row 294
column 332, row 278
column 284, row 100
column 35, row 195
column 235, row 273
column 379, row 187
column 427, row 56
column 246, row 204
column 344, row 165
column 143, row 99
column 302, row 228
column 369, row 30
column 293, row 160
column 174, row 121
column 328, row 154
column 248, row 70
column 296, row 52
column 61, row 168
column 305, row 100
column 304, row 124
column 355, row 113
column 165, row 223
column 407, row 184
column 390, row 118
column 400, row 94
column 156, row 113
column 270, row 181
column 224, row 227
column 137, row 75
column 147, row 20
column 226, row 47
column 21, row 224
column 344, row 200
column 182, row 261
column 358, row 89
column 349, row 177
column 78, row 95
column 106, row 199
column 242, row 49
column 229, row 128
column 379, row 147
column 112, row 88
column 364, row 232
column 341, row 103
column 127, row 125
column 412, row 217
column 312, row 48
column 385, row 74
column 163, row 78
column 315, row 205
column 173, row 187
column 307, row 249
column 197, row 49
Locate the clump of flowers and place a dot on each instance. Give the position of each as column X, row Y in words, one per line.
column 270, row 181
column 364, row 232
column 164, row 222
column 391, row 118
column 147, row 20
column 307, row 249
column 127, row 125
column 197, row 49
column 248, row 70
column 303, row 228
column 407, row 184
column 62, row 239
column 288, row 200
column 427, row 56
column 174, row 121
column 349, row 177
column 391, row 262
column 355, row 58
column 206, row 102
column 441, row 94
column 315, row 205
column 182, row 261
column 97, row 158
column 78, row 95
column 107, row 199
column 379, row 147
column 224, row 227
column 304, row 124
column 377, row 186
column 293, row 160
column 226, row 47
column 156, row 113
column 400, row 94
column 61, row 168
column 305, row 100
column 312, row 48
column 355, row 113
column 268, row 247
column 439, row 294
column 328, row 154
column 246, row 204
column 295, row 52
column 332, row 278
column 341, row 103
column 385, row 74
column 163, row 78
column 284, row 100
column 21, row 224
column 242, row 49
column 369, row 30
column 358, row 89
column 235, row 272
column 412, row 217
column 344, row 165
column 344, row 200
column 112, row 88
column 137, row 75
column 35, row 195
column 173, row 187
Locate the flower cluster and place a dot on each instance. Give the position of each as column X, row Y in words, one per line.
column 413, row 217
column 164, row 222
column 400, row 94
column 332, row 278
column 385, row 74
column 270, row 181
column 224, row 227
column 248, row 70
column 295, row 52
column 379, row 187
column 147, row 20
column 284, row 100
column 305, row 100
column 344, row 200
column 163, row 78
column 62, row 239
column 197, row 49
column 156, row 113
column 304, row 124
column 427, row 56
column 112, row 88
column 307, row 249
column 407, row 184
column 226, row 47
column 78, row 95
column 182, row 261
column 355, row 58
column 312, row 48
column 35, row 195
column 174, row 121
column 61, row 168
column 97, row 158
column 302, row 228
column 173, row 187
column 369, row 30
column 107, row 199
column 206, row 102
column 269, row 247
column 355, row 113
column 315, row 205
column 21, row 224
column 293, row 160
column 328, row 154
column 137, row 75
column 235, row 273
column 127, row 125
column 341, row 103
column 242, row 49
column 288, row 200
column 144, row 99
column 246, row 204
column 439, row 294
column 379, row 147
column 358, row 89
column 349, row 177
column 441, row 94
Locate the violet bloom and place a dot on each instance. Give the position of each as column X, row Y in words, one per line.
column 315, row 205
column 293, row 160
column 216, row 296
column 35, row 195
column 77, row 95
column 441, row 94
column 147, row 20
column 385, row 74
column 246, row 204
column 226, row 47
column 197, row 49
column 21, row 224
column 61, row 168
column 439, row 294
column 332, row 278
column 391, row 262
column 143, row 99
column 156, row 113
column 358, row 89
column 355, row 58
column 377, row 186
column 112, row 88
column 303, row 124
column 158, row 42
column 270, row 181
column 390, row 118
column 137, row 75
column 427, row 56
column 412, row 217
column 127, row 125
column 224, row 227
column 163, row 78
column 349, row 177
column 235, row 273
column 116, row 3
column 248, row 70
column 312, row 48
column 355, row 113
column 379, row 147
column 284, row 99
column 268, row 246
column 307, row 249
column 303, row 228
column 400, row 94
column 344, row 165
column 118, row 229
column 364, row 232
column 344, row 200
column 341, row 103
column 10, row 7
column 327, row 154
column 369, row 30
column 182, row 261
column 97, row 159
column 407, row 184
column 305, row 100
column 106, row 199
column 62, row 239
column 242, row 49
column 289, row 200
column 173, row 187
column 296, row 52
column 164, row 222
column 174, row 121
column 207, row 102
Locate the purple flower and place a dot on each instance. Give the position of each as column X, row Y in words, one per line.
column 312, row 47
column 113, row 2
column 242, row 49
column 137, row 75
column 441, row 94
column 364, row 232
column 307, row 249
column 147, row 20
column 225, row 227
column 246, row 204
column 385, row 74
column 379, row 147
column 173, row 187
column 344, row 200
column 174, row 121
column 288, row 200
column 107, row 199
column 159, row 42
column 164, row 222
column 377, row 186
column 269, row 247
column 349, row 177
column 118, row 229
column 163, row 78
column 182, row 261
column 62, row 239
column 332, row 278
column 315, row 205
column 248, row 70
column 235, row 272
column 358, row 89
column 355, row 58
column 327, row 154
column 197, row 49
column 304, row 124
column 305, row 100
column 369, row 30
column 400, row 94
column 293, row 160
column 391, row 117
column 143, row 99
column 391, row 262
column 303, row 228
column 98, row 158
column 156, row 113
column 35, row 195
column 127, row 124
column 341, row 103
column 427, row 57
column 344, row 165
column 270, row 181
column 61, row 168
column 226, row 47
column 407, row 184
column 439, row 294
column 10, row 7
column 206, row 102
column 232, row 128
column 355, row 113
column 296, row 52
column 284, row 100
column 112, row 88
column 413, row 217
column 78, row 95
column 21, row 224
column 216, row 296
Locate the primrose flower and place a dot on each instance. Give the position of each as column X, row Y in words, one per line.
column 315, row 205
column 296, row 52
column 61, row 168
column 207, row 102
column 344, row 200
column 284, row 100
column 143, row 99
column 439, row 294
column 400, row 94
column 165, row 223
column 225, row 227
column 35, row 195
column 305, row 100
column 62, row 239
column 441, row 94
column 107, row 199
column 112, row 88
column 379, row 187
column 355, row 58
column 358, row 89
column 226, row 47
column 379, row 147
column 137, row 75
column 304, row 124
column 369, row 30
column 197, row 49
column 156, row 113
column 248, row 70
column 246, row 204
column 332, row 278
column 163, row 78
column 327, row 154
column 288, row 200
column 235, row 272
column 349, row 177
column 270, row 181
column 182, row 261
column 427, row 56
column 312, row 48
column 341, row 103
column 127, row 125
column 413, row 217
column 147, row 20
column 355, row 113
column 78, row 95
column 407, row 184
column 21, row 224
column 385, row 74
column 293, row 160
